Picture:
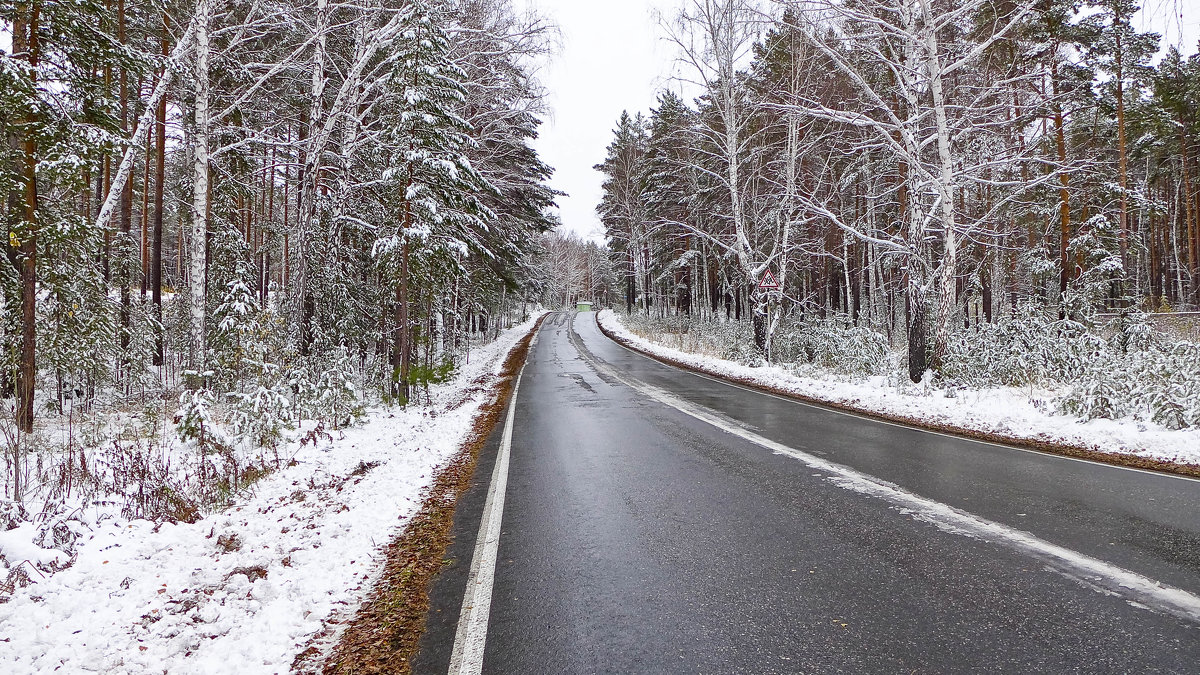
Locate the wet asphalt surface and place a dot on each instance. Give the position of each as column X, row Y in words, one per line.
column 637, row 539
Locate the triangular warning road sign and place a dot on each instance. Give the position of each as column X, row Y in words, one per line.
column 768, row 280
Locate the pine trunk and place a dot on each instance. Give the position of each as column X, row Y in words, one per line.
column 1189, row 213
column 25, row 41
column 156, row 237
column 1122, row 155
column 1064, row 195
column 401, row 356
column 126, row 213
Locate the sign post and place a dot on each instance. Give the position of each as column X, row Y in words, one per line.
column 768, row 283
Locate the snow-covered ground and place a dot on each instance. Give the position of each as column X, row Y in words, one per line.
column 1019, row 413
column 187, row 598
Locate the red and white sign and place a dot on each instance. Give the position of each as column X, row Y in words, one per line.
column 768, row 280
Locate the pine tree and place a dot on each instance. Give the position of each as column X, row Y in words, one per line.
column 1177, row 94
column 622, row 208
column 56, row 118
column 440, row 213
column 1124, row 54
column 670, row 185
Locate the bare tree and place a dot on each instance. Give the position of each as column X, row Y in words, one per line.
column 716, row 39
column 899, row 70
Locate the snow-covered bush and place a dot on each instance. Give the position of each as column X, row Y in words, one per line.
column 193, row 419
column 835, row 344
column 1131, row 332
column 260, row 416
column 147, row 482
column 1098, row 251
column 76, row 334
column 12, row 513
column 1097, row 396
column 240, row 333
column 333, row 397
column 322, row 389
column 1124, row 369
column 731, row 340
column 1132, row 373
column 1029, row 347
column 1160, row 383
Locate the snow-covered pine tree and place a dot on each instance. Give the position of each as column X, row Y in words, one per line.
column 671, row 186
column 56, row 118
column 489, row 42
column 622, row 208
column 439, row 213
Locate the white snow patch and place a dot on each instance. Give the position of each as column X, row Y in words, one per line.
column 146, row 598
column 16, row 546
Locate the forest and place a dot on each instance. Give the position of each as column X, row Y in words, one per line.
column 227, row 219
column 993, row 189
column 227, row 216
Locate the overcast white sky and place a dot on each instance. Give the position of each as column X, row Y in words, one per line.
column 613, row 59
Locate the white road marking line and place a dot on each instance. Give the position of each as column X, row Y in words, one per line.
column 898, row 425
column 1135, row 588
column 471, row 638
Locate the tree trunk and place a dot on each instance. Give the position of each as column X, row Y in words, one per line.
column 401, row 356
column 1064, row 195
column 156, row 239
column 310, row 180
column 126, row 213
column 25, row 41
column 1189, row 212
column 199, row 234
column 630, row 292
column 914, row 302
column 144, row 216
column 1122, row 155
column 986, row 282
column 945, row 186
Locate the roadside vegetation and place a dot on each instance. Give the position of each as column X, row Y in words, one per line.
column 953, row 194
column 233, row 229
column 1122, row 369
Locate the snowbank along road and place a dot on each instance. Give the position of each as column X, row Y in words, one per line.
column 634, row 517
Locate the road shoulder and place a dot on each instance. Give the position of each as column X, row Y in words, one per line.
column 385, row 635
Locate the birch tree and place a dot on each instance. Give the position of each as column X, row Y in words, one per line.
column 715, row 39
column 901, row 39
column 198, row 260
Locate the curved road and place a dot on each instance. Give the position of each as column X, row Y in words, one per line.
column 659, row 521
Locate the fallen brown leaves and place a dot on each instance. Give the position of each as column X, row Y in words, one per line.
column 384, row 634
column 1048, row 447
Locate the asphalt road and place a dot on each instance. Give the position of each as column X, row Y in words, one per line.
column 658, row 521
